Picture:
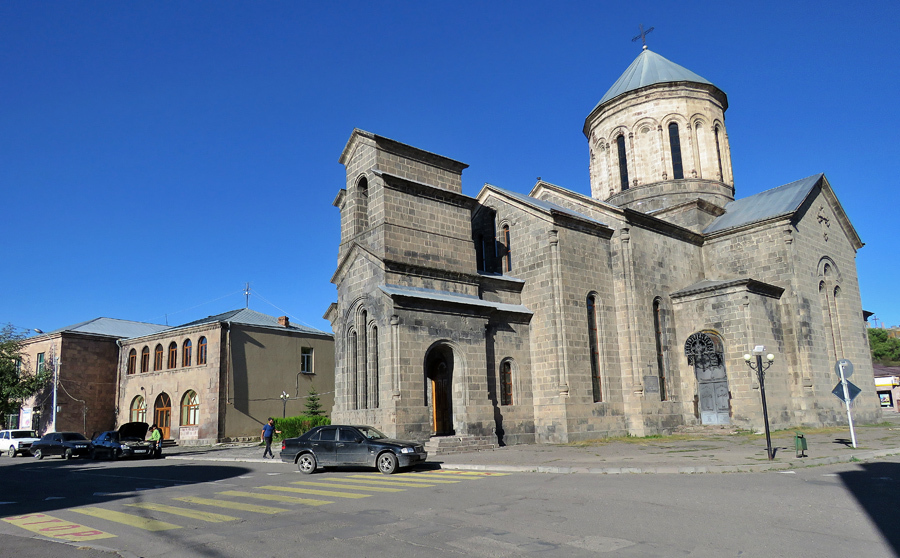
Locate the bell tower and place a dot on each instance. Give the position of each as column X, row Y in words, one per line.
column 657, row 139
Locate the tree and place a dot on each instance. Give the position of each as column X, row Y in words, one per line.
column 313, row 406
column 885, row 349
column 16, row 384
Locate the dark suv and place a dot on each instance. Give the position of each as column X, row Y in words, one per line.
column 127, row 441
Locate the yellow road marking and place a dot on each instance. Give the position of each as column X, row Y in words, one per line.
column 275, row 497
column 56, row 528
column 469, row 473
column 430, row 477
column 127, row 519
column 314, row 492
column 194, row 514
column 418, row 484
column 229, row 504
column 412, row 482
column 338, row 484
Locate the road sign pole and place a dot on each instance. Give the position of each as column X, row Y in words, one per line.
column 847, row 403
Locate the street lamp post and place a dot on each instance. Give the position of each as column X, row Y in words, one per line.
column 760, row 370
column 55, row 384
column 284, row 400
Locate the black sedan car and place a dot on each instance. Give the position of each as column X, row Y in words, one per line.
column 350, row 445
column 65, row 444
column 127, row 441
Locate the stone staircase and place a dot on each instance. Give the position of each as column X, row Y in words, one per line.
column 708, row 429
column 447, row 445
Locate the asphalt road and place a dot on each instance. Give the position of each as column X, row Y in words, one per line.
column 192, row 509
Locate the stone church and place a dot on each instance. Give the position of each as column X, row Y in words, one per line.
column 557, row 317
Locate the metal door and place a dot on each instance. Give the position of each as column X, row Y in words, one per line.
column 705, row 354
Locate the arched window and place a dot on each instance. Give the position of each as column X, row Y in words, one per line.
column 353, row 367
column 186, row 350
column 660, row 355
column 173, row 355
column 138, row 410
column 145, row 359
column 373, row 367
column 201, row 351
column 132, row 361
column 479, row 252
column 594, row 345
column 190, row 409
column 362, row 358
column 718, row 152
column 158, row 358
column 362, row 204
column 507, row 248
column 675, row 145
column 506, row 383
column 623, row 163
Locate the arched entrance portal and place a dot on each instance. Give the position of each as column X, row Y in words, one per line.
column 162, row 412
column 705, row 353
column 438, row 388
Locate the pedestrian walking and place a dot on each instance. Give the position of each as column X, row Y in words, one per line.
column 267, row 432
column 156, row 441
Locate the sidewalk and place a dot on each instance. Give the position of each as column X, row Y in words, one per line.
column 701, row 453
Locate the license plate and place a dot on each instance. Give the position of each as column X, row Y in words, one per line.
column 80, row 446
column 140, row 451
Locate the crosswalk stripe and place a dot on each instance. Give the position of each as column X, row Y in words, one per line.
column 229, row 504
column 392, row 480
column 431, row 477
column 314, row 492
column 275, row 497
column 337, row 484
column 469, row 473
column 144, row 523
column 387, row 483
column 184, row 512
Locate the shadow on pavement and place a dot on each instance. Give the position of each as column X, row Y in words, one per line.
column 876, row 486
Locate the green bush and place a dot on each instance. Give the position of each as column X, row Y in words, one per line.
column 291, row 427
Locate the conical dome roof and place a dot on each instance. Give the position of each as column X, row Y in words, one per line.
column 647, row 69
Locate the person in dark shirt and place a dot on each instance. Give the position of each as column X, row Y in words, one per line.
column 267, row 432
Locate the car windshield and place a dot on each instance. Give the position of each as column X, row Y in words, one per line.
column 371, row 433
column 23, row 434
column 68, row 436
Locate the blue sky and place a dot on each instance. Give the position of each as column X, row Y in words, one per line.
column 155, row 156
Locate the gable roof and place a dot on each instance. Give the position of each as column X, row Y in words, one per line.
column 649, row 68
column 543, row 205
column 246, row 316
column 111, row 327
column 782, row 200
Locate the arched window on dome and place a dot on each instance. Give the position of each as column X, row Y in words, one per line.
column 719, row 152
column 623, row 163
column 675, row 145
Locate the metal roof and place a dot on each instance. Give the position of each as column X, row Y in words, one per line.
column 245, row 316
column 782, row 200
column 647, row 69
column 454, row 298
column 112, row 327
column 547, row 206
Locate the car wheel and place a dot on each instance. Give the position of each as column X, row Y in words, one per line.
column 11, row 451
column 67, row 454
column 38, row 454
column 307, row 463
column 387, row 463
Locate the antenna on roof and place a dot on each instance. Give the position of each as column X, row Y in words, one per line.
column 643, row 36
column 247, row 294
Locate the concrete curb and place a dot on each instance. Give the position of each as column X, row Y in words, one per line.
column 661, row 470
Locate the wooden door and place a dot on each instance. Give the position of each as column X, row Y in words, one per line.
column 163, row 414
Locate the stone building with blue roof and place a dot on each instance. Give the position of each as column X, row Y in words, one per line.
column 558, row 316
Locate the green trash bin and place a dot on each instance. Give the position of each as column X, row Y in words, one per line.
column 800, row 444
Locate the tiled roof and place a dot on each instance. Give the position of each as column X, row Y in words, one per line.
column 782, row 200
column 647, row 69
column 112, row 327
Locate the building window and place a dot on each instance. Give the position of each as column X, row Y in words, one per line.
column 132, row 361
column 479, row 252
column 145, row 359
column 173, row 355
column 506, row 383
column 201, row 351
column 623, row 163
column 507, row 248
column 362, row 207
column 190, row 409
column 718, row 153
column 675, row 145
column 186, row 353
column 306, row 360
column 594, row 346
column 40, row 363
column 372, row 341
column 660, row 355
column 157, row 358
column 138, row 409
